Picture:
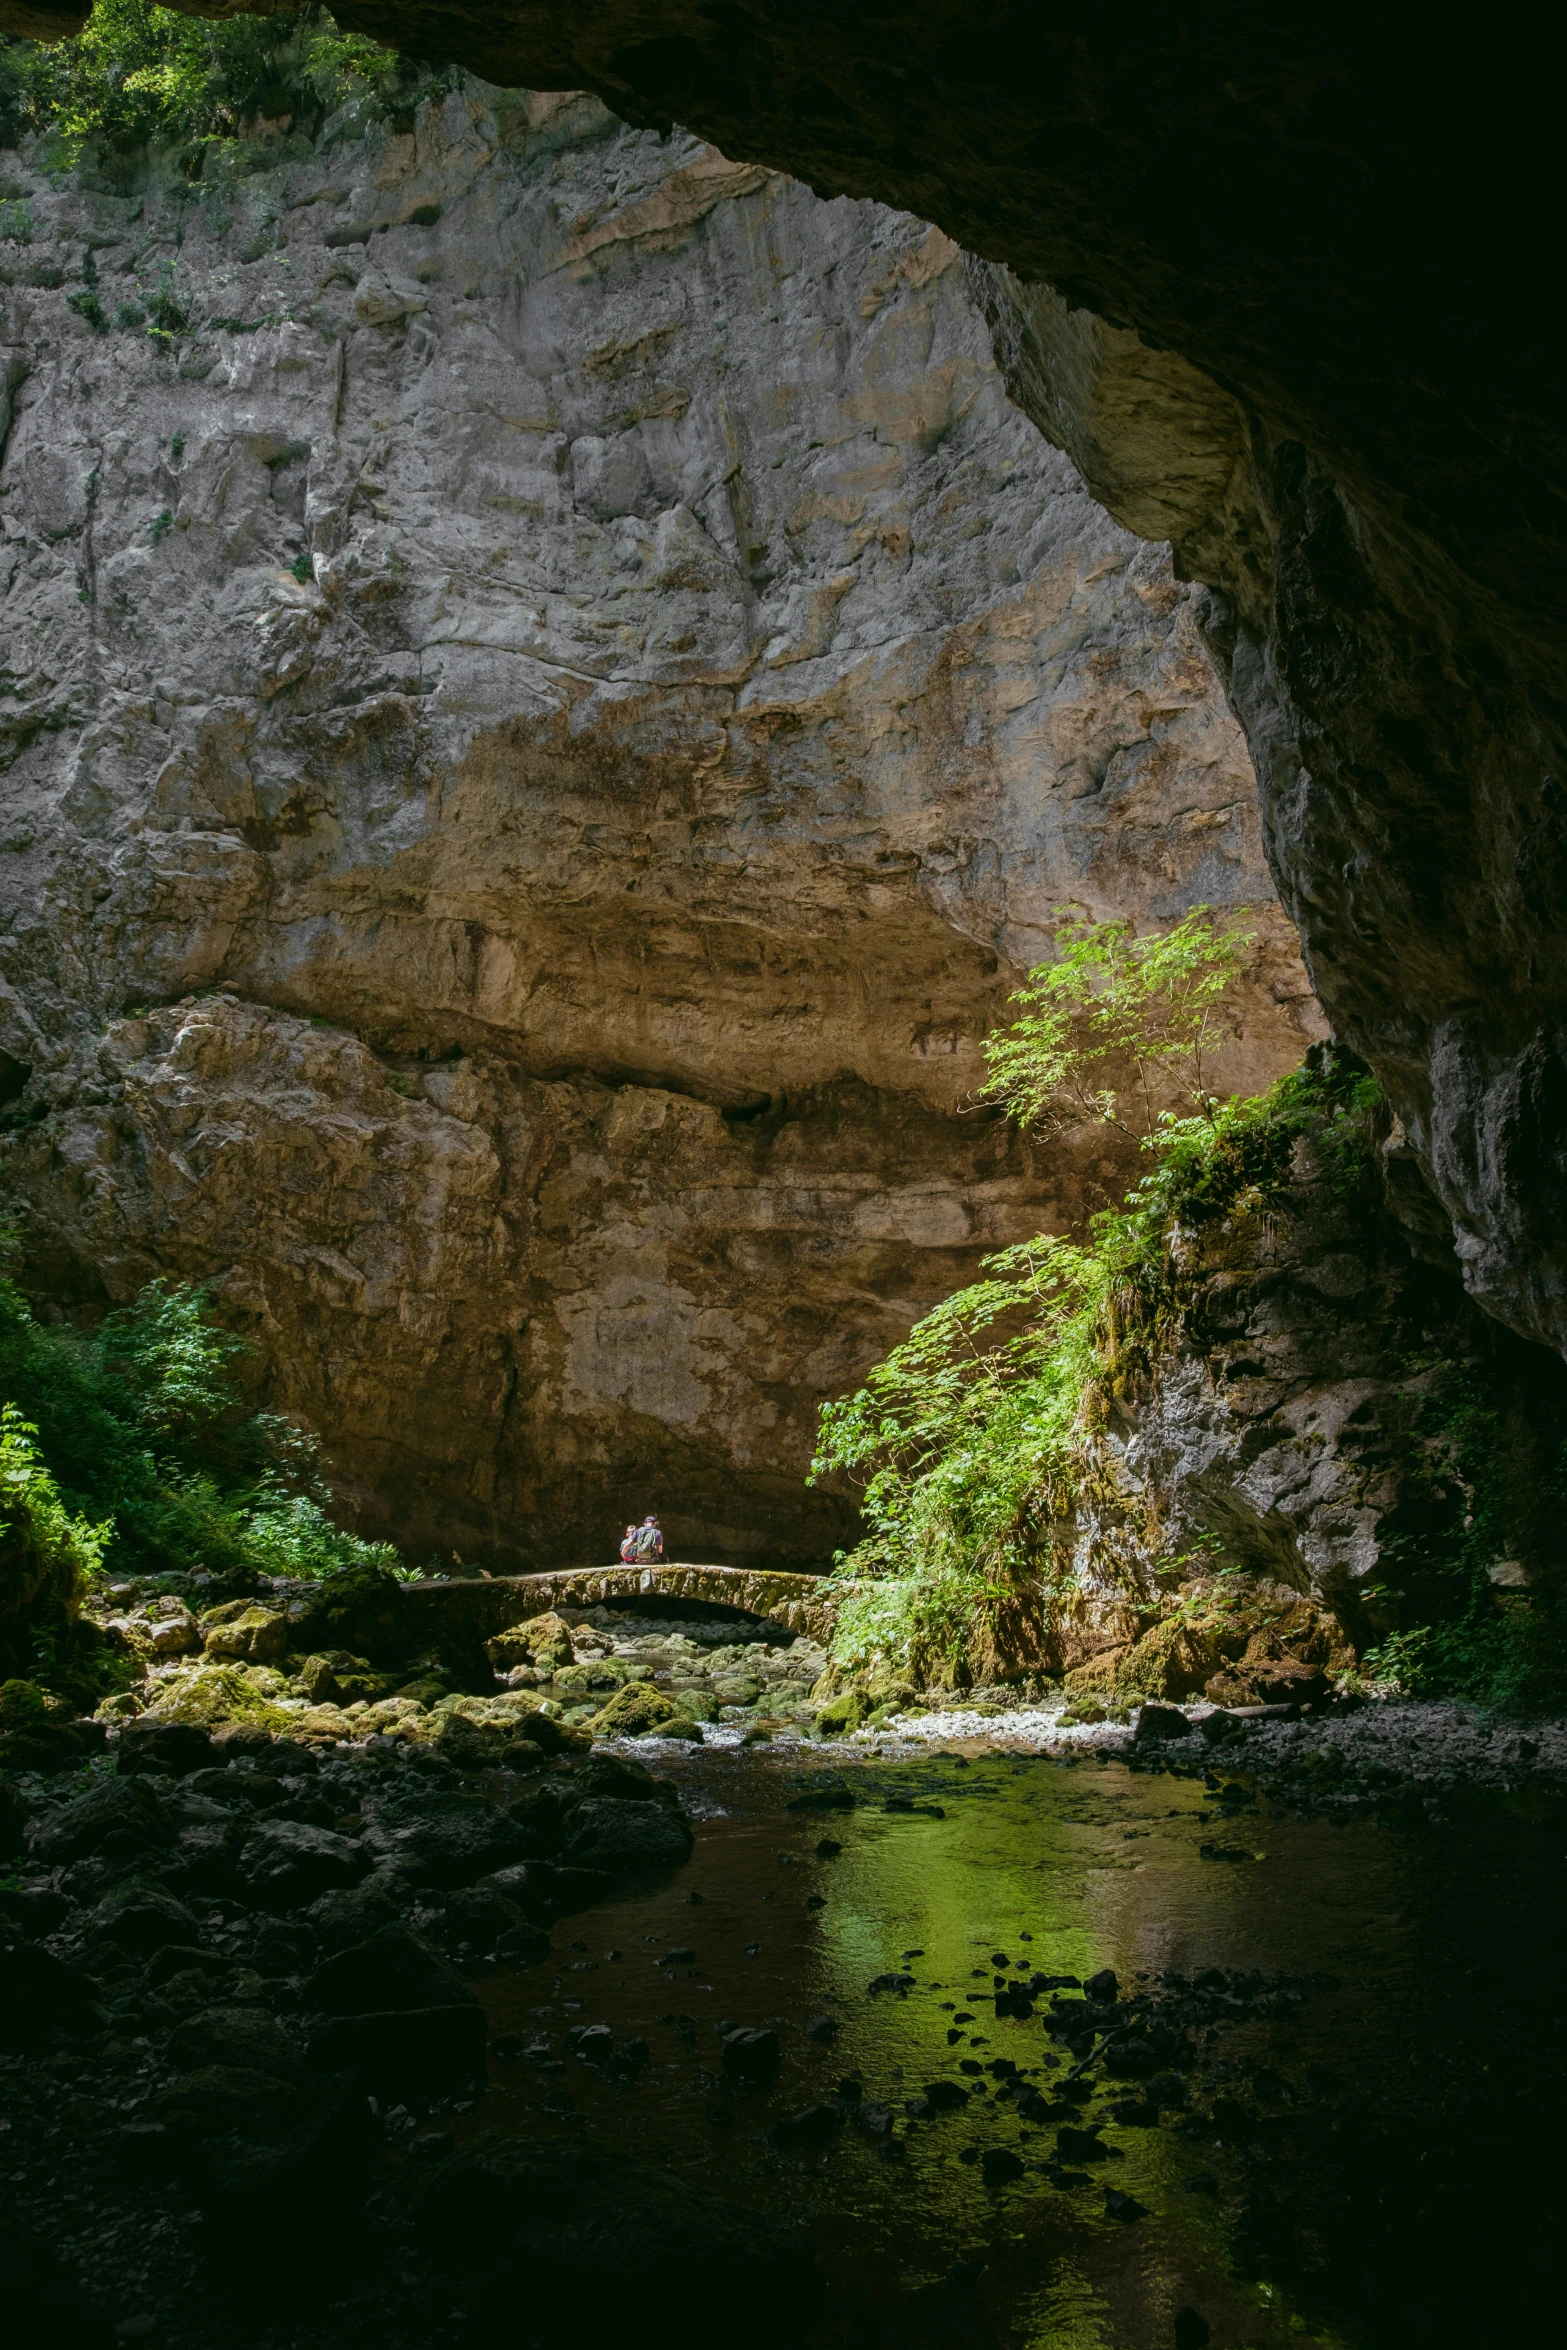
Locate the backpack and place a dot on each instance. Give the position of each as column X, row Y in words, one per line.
column 650, row 1543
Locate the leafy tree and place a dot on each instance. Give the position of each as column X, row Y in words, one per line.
column 141, row 76
column 1114, row 1002
column 972, row 1441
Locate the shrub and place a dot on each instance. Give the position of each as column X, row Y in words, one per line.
column 48, row 1553
column 151, row 1452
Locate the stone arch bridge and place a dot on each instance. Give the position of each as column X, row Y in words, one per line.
column 487, row 1604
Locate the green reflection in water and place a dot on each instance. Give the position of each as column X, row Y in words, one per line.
column 1290, row 2240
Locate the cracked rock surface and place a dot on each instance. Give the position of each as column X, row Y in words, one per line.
column 539, row 732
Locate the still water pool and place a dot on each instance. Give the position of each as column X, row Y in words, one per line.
column 1376, row 2162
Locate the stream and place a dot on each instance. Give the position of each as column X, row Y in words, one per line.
column 1368, row 2156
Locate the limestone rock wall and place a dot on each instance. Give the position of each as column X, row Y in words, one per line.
column 541, row 717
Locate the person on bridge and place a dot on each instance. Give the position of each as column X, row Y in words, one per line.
column 650, row 1542
column 628, row 1546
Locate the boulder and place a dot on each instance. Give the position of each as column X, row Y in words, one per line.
column 153, row 1743
column 286, row 1863
column 627, row 1838
column 393, row 1968
column 253, row 1635
column 490, row 1745
column 481, row 1922
column 141, row 1919
column 118, row 1820
column 842, row 1714
column 436, row 1837
column 206, row 1694
column 636, row 1711
column 352, row 1913
column 1158, row 1722
column 246, row 2037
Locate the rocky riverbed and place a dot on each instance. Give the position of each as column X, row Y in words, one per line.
column 714, row 2032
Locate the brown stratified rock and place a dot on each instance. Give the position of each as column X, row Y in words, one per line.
column 535, row 962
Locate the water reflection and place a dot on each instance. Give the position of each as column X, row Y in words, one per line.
column 1375, row 2167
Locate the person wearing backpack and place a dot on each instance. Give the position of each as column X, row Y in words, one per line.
column 628, row 1545
column 650, row 1542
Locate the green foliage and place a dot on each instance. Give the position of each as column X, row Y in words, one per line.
column 972, row 1441
column 140, row 77
column 141, row 1429
column 1112, row 1000
column 304, row 569
column 47, row 1552
column 1461, row 1637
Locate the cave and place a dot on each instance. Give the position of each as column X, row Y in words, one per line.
column 588, row 595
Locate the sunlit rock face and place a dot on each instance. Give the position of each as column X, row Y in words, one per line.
column 542, row 728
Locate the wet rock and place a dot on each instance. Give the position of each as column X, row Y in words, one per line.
column 479, row 1922
column 750, row 2057
column 636, row 1711
column 999, row 2165
column 835, row 1797
column 665, row 2258
column 286, row 1863
column 543, row 1890
column 937, row 2097
column 872, row 2119
column 1192, row 2331
column 828, row 1849
column 496, row 1744
column 246, row 2037
column 1075, row 2145
column 1121, row 2206
column 822, row 2028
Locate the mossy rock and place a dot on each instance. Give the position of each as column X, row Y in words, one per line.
column 583, row 1680
column 697, row 1705
column 542, row 1640
column 682, row 1726
column 636, row 1711
column 23, row 1706
column 256, row 1635
column 206, row 1694
column 841, row 1715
